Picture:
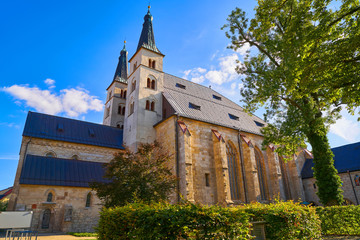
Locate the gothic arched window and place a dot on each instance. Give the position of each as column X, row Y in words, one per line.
column 233, row 172
column 261, row 174
column 131, row 108
column 152, row 106
column 153, row 84
column 133, row 86
column 124, row 94
column 285, row 180
column 148, row 85
column 121, row 93
column 49, row 197
column 88, row 200
column 153, row 64
column 123, row 111
column 147, row 106
column 150, row 63
column 119, row 110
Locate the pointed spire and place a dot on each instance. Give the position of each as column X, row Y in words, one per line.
column 147, row 39
column 122, row 67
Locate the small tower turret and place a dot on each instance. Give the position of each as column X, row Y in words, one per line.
column 116, row 93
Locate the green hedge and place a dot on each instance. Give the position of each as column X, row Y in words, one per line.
column 188, row 221
column 286, row 220
column 340, row 220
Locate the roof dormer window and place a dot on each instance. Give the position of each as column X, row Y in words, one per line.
column 194, row 106
column 91, row 132
column 60, row 127
column 233, row 117
column 216, row 97
column 259, row 124
column 180, row 86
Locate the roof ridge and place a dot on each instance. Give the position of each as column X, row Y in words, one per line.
column 72, row 119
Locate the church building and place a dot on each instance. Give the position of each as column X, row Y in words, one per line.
column 216, row 146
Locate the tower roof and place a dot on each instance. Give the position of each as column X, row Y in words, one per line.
column 122, row 67
column 147, row 39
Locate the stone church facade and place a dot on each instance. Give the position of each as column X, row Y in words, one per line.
column 216, row 146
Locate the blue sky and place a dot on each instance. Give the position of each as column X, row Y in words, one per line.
column 58, row 57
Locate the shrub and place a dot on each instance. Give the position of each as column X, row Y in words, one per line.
column 165, row 221
column 340, row 220
column 286, row 220
column 3, row 205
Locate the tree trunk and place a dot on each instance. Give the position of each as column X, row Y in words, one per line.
column 326, row 175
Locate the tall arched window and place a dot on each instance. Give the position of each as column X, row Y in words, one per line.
column 147, row 106
column 134, row 67
column 123, row 111
column 261, row 174
column 49, row 197
column 152, row 106
column 233, row 172
column 150, row 63
column 119, row 110
column 131, row 108
column 125, row 94
column 284, row 178
column 133, row 86
column 153, row 64
column 148, row 85
column 121, row 93
column 88, row 200
column 153, row 84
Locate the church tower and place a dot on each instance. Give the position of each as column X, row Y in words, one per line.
column 116, row 94
column 144, row 97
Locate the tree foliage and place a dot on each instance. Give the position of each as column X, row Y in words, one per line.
column 305, row 70
column 131, row 176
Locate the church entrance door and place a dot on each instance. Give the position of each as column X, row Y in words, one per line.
column 46, row 219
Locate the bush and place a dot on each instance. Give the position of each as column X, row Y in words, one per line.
column 286, row 220
column 3, row 205
column 340, row 220
column 165, row 221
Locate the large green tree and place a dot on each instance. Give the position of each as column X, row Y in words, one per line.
column 144, row 175
column 305, row 69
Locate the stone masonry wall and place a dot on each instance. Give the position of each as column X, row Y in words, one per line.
column 35, row 146
column 311, row 188
column 201, row 154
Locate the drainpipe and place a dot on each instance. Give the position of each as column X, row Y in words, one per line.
column 242, row 167
column 177, row 158
column 352, row 184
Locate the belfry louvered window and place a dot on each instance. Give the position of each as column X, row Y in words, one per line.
column 233, row 172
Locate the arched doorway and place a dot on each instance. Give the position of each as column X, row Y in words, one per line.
column 45, row 223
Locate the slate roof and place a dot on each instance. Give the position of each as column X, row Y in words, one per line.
column 213, row 110
column 70, row 130
column 147, row 39
column 122, row 67
column 347, row 158
column 40, row 170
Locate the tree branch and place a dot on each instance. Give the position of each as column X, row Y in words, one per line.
column 344, row 15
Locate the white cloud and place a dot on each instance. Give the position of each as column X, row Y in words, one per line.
column 195, row 74
column 49, row 81
column 346, row 129
column 244, row 49
column 11, row 125
column 225, row 72
column 9, row 157
column 72, row 102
